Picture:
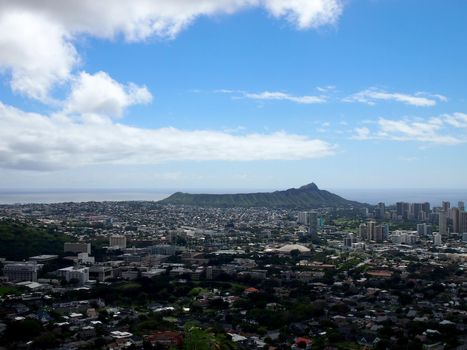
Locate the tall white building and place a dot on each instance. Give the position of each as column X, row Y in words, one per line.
column 437, row 239
column 80, row 274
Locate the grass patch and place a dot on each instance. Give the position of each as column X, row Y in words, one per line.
column 5, row 290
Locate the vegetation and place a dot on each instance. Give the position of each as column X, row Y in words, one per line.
column 5, row 290
column 200, row 339
column 308, row 196
column 19, row 241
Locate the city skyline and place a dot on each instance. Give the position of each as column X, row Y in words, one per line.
column 233, row 94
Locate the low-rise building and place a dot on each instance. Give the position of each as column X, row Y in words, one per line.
column 21, row 271
column 80, row 274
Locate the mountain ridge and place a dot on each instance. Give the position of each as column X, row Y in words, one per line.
column 307, row 196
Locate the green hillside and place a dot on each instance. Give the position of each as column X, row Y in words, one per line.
column 308, row 196
column 20, row 241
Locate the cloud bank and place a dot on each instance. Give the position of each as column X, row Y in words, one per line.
column 31, row 141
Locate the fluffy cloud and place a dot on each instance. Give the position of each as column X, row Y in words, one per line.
column 100, row 94
column 140, row 19
column 305, row 13
column 437, row 130
column 37, row 142
column 36, row 36
column 35, row 51
column 371, row 95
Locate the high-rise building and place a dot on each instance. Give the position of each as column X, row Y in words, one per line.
column 370, row 230
column 379, row 234
column 402, row 209
column 455, row 219
column 313, row 223
column 117, row 241
column 443, row 223
column 446, row 205
column 416, row 209
column 380, row 211
column 462, row 222
column 362, row 232
column 426, row 207
column 437, row 239
column 461, row 206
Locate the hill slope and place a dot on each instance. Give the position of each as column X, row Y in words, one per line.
column 19, row 241
column 308, row 196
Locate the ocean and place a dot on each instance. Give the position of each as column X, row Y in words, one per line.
column 371, row 196
column 60, row 196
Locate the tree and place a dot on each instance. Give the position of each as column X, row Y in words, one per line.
column 46, row 341
column 199, row 339
column 23, row 330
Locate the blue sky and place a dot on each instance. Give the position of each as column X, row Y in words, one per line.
column 233, row 94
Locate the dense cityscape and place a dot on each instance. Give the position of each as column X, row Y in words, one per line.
column 141, row 275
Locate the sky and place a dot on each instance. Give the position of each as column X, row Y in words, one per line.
column 233, row 94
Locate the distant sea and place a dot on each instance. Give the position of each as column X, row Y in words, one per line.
column 371, row 196
column 85, row 195
column 391, row 196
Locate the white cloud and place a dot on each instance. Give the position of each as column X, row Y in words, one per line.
column 37, row 142
column 457, row 120
column 438, row 130
column 371, row 95
column 275, row 96
column 100, row 94
column 35, row 51
column 140, row 19
column 305, row 13
column 37, row 36
column 362, row 134
column 281, row 96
